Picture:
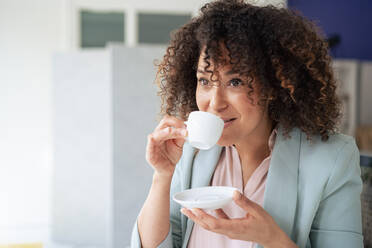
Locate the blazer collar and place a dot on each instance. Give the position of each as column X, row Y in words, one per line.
column 280, row 198
column 204, row 165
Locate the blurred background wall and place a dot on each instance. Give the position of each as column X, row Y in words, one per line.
column 32, row 32
column 346, row 23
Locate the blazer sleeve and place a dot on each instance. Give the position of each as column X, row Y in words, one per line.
column 174, row 237
column 338, row 221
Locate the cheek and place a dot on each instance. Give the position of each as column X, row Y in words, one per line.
column 252, row 100
column 201, row 101
column 247, row 108
column 243, row 102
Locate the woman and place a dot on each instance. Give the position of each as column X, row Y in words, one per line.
column 266, row 72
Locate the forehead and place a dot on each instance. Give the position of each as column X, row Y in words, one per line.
column 220, row 66
column 219, row 62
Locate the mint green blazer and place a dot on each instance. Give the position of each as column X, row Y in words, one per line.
column 312, row 191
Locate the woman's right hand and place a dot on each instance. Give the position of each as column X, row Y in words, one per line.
column 164, row 145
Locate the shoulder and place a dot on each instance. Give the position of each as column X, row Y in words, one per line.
column 315, row 154
column 338, row 146
column 322, row 160
column 337, row 140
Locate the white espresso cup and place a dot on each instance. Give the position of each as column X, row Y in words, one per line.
column 204, row 129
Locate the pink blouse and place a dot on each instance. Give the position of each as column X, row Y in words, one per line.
column 229, row 173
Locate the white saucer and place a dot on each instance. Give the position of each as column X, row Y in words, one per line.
column 208, row 198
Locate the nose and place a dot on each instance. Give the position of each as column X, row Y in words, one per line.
column 217, row 101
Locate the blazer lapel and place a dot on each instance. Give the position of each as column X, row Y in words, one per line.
column 204, row 165
column 280, row 198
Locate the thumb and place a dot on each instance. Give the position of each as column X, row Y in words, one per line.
column 221, row 214
column 245, row 203
column 179, row 142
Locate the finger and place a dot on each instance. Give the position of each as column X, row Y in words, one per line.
column 194, row 218
column 214, row 224
column 170, row 121
column 167, row 133
column 221, row 214
column 221, row 226
column 158, row 137
column 246, row 204
column 179, row 142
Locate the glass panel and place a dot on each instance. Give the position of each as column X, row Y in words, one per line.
column 155, row 28
column 98, row 28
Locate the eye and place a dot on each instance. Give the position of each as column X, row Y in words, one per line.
column 203, row 82
column 235, row 82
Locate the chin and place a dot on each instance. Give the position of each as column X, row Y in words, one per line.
column 225, row 142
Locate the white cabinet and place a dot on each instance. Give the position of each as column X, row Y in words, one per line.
column 105, row 104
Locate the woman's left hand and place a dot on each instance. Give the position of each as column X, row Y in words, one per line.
column 257, row 226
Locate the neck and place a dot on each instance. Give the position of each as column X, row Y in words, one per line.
column 252, row 150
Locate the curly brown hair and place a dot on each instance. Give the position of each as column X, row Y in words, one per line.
column 277, row 47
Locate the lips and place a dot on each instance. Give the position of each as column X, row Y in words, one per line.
column 228, row 120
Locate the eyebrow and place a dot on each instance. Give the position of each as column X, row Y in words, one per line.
column 231, row 72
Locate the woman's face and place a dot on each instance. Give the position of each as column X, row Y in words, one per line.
column 227, row 97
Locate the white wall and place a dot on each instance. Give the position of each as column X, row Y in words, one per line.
column 30, row 32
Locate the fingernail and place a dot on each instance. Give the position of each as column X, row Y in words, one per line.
column 195, row 212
